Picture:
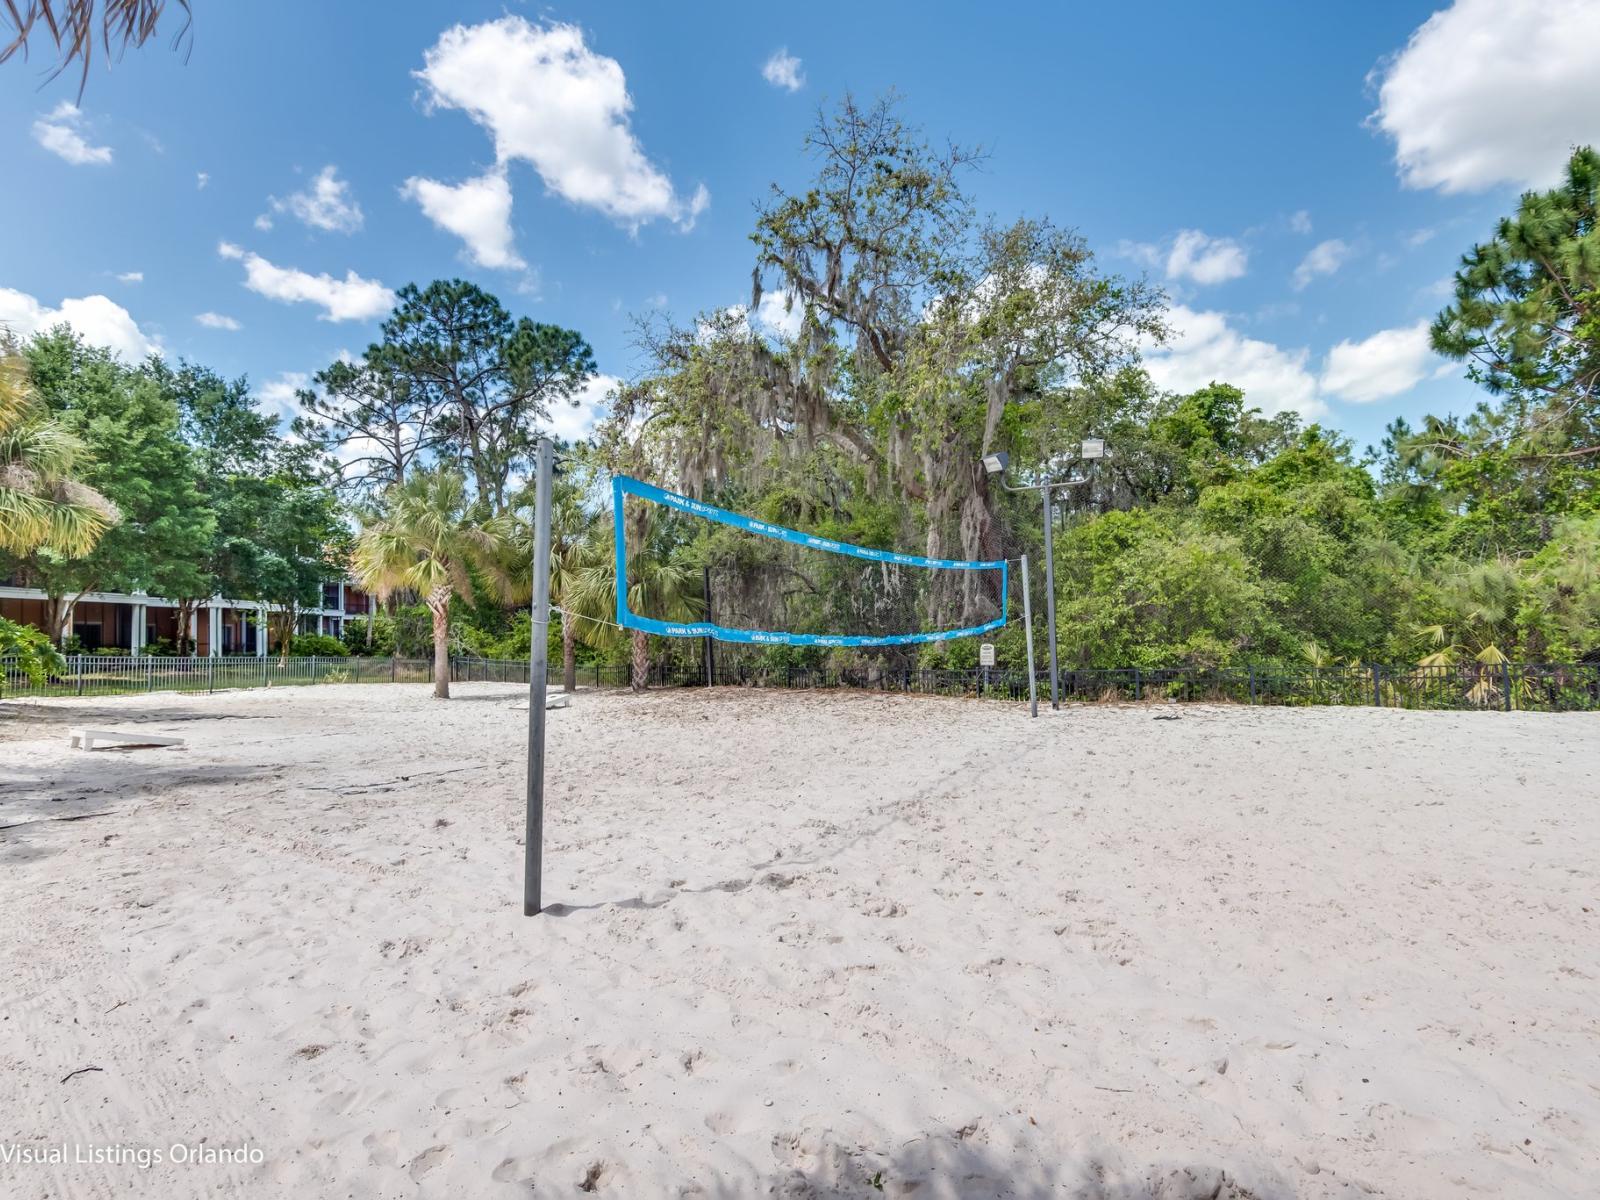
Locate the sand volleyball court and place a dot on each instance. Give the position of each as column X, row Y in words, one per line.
column 803, row 944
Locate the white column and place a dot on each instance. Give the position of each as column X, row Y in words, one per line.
column 139, row 619
column 214, row 631
column 261, row 631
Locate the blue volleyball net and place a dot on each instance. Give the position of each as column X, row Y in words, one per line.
column 773, row 586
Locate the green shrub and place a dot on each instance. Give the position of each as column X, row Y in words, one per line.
column 408, row 633
column 354, row 636
column 31, row 651
column 316, row 645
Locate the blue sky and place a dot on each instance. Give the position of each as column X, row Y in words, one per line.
column 1300, row 178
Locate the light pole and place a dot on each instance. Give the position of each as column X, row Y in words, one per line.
column 995, row 464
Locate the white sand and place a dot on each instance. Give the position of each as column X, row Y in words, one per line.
column 804, row 944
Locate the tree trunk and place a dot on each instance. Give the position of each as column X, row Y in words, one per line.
column 286, row 622
column 641, row 661
column 372, row 617
column 439, row 606
column 980, row 539
column 186, row 616
column 58, row 614
column 569, row 654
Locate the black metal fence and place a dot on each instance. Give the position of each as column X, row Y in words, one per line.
column 109, row 675
column 1539, row 687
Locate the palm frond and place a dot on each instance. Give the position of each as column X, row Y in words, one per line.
column 72, row 25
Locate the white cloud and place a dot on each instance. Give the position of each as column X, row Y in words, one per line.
column 201, row 178
column 548, row 99
column 1491, row 92
column 1192, row 255
column 1323, row 259
column 1300, row 222
column 477, row 211
column 131, row 277
column 771, row 314
column 1147, row 254
column 782, row 70
column 1383, row 365
column 99, row 320
column 279, row 394
column 213, row 320
column 575, row 421
column 1205, row 349
column 327, row 204
column 349, row 299
column 1205, row 259
column 61, row 133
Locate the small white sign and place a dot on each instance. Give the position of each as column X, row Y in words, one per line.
column 986, row 654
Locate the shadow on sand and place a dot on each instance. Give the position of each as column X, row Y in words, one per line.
column 948, row 1168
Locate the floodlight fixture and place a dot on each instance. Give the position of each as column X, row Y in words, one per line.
column 997, row 462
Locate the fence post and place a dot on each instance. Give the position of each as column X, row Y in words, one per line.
column 1138, row 684
column 1505, row 682
column 1377, row 685
column 1252, row 683
column 211, row 674
column 79, row 659
column 149, row 674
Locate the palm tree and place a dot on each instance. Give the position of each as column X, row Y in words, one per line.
column 1479, row 603
column 574, row 544
column 41, row 506
column 661, row 584
column 429, row 539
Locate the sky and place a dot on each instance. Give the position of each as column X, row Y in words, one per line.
column 1300, row 179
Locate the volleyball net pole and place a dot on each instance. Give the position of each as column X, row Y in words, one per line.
column 538, row 670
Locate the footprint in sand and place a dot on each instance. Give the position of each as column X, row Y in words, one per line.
column 432, row 1157
column 722, row 1123
column 382, row 1148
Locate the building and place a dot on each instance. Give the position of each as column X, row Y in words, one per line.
column 134, row 621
